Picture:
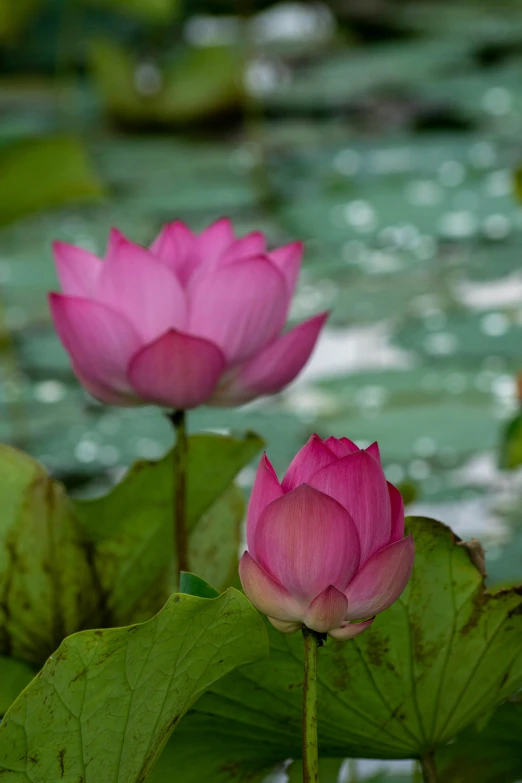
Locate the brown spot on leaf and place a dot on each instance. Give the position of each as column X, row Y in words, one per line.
column 476, row 554
column 61, row 757
column 231, row 768
column 479, row 600
column 377, row 650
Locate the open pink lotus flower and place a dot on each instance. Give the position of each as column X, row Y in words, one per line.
column 326, row 545
column 193, row 319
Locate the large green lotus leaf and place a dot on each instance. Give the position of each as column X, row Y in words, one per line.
column 490, row 754
column 14, row 676
column 132, row 526
column 106, row 702
column 47, row 586
column 38, row 174
column 443, row 655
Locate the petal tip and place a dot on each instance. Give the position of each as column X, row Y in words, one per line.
column 58, row 245
column 349, row 631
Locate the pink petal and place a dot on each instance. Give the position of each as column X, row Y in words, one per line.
column 77, row 269
column 177, row 247
column 115, row 237
column 381, row 580
column 288, row 259
column 341, row 447
column 136, row 284
column 327, row 610
column 104, row 394
column 373, row 449
column 274, row 367
column 349, row 630
column 266, row 593
column 358, row 483
column 285, row 626
column 397, row 513
column 252, row 245
column 99, row 341
column 266, row 489
column 240, row 307
column 176, row 370
column 214, row 240
column 307, row 541
column 312, row 457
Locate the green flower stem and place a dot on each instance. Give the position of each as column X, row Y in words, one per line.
column 178, row 419
column 310, row 752
column 429, row 769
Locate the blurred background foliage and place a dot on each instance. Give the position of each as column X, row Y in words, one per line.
column 385, row 133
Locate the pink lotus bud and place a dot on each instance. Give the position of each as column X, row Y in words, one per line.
column 194, row 319
column 326, row 544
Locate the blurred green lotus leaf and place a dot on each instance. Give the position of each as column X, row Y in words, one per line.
column 41, row 173
column 131, row 528
column 14, row 676
column 200, row 83
column 154, row 11
column 14, row 16
column 67, row 565
column 511, row 444
column 47, row 587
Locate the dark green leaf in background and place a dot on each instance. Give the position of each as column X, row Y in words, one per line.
column 132, row 526
column 490, row 754
column 38, row 174
column 200, row 83
column 190, row 584
column 68, row 565
column 511, row 444
column 14, row 16
column 154, row 11
column 14, row 676
column 47, row 586
column 215, row 541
